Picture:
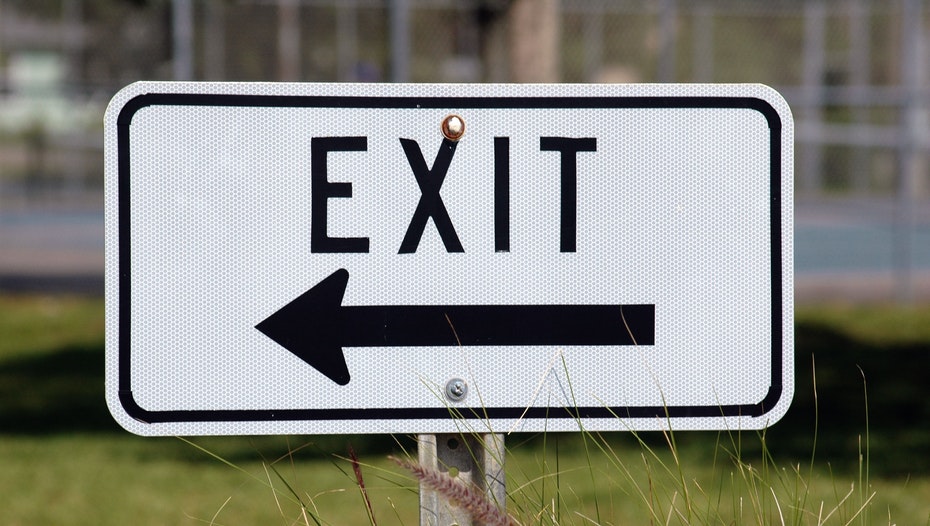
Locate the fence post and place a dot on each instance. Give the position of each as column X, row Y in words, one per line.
column 860, row 67
column 182, row 20
column 347, row 40
column 814, row 60
column 703, row 43
column 399, row 17
column 288, row 40
column 914, row 136
column 593, row 41
column 534, row 40
column 668, row 38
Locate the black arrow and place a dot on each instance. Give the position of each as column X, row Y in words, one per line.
column 316, row 326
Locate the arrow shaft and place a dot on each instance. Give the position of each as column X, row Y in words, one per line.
column 502, row 325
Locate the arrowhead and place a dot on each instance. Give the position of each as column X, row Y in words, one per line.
column 310, row 327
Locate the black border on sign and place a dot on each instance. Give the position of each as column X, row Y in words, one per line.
column 124, row 122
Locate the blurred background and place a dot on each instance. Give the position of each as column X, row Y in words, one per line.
column 855, row 73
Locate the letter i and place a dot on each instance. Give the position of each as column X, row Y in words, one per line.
column 502, row 194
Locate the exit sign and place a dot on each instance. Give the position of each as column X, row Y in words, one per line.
column 347, row 258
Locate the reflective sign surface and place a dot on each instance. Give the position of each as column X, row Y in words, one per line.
column 327, row 258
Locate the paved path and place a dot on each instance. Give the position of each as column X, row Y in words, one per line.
column 51, row 250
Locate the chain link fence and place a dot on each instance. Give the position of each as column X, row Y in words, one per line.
column 855, row 73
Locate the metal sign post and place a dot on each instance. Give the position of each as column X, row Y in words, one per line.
column 474, row 460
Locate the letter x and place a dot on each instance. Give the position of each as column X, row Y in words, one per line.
column 430, row 181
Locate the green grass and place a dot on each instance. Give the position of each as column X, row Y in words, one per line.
column 121, row 479
column 635, row 486
column 64, row 461
column 35, row 325
column 868, row 324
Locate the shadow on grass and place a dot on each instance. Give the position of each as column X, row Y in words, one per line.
column 63, row 392
column 56, row 392
column 895, row 380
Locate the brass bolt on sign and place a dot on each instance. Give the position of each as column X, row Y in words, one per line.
column 453, row 127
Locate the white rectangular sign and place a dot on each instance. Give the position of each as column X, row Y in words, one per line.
column 371, row 258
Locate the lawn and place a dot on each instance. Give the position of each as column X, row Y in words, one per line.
column 64, row 461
